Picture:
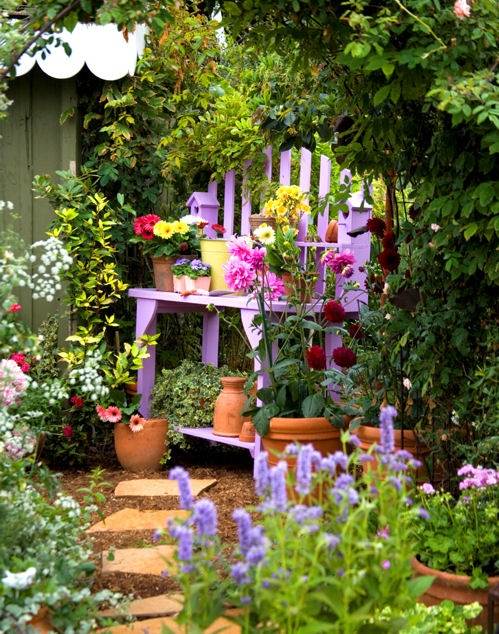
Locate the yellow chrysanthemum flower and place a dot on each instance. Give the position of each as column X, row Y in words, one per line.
column 265, row 234
column 163, row 229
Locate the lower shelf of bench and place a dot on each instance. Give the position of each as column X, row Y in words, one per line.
column 206, row 433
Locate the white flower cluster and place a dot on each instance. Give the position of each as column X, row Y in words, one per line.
column 88, row 378
column 55, row 260
column 54, row 390
column 19, row 580
column 69, row 504
column 6, row 204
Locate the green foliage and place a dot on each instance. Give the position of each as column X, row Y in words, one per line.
column 186, row 397
column 444, row 618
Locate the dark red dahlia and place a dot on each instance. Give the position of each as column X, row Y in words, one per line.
column 334, row 311
column 316, row 358
column 376, row 226
column 355, row 330
column 67, row 431
column 389, row 259
column 77, row 401
column 388, row 240
column 344, row 357
column 183, row 247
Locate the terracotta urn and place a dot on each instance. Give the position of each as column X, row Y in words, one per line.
column 456, row 588
column 319, row 432
column 228, row 419
column 405, row 439
column 141, row 450
column 163, row 275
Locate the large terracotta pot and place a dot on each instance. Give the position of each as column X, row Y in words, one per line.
column 163, row 276
column 228, row 419
column 370, row 436
column 324, row 436
column 456, row 588
column 41, row 621
column 142, row 450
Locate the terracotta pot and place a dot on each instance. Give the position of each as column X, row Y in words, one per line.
column 228, row 419
column 290, row 286
column 142, row 450
column 247, row 432
column 131, row 389
column 332, row 232
column 41, row 621
column 456, row 588
column 255, row 220
column 369, row 436
column 163, row 276
column 324, row 436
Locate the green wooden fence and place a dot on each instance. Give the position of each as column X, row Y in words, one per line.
column 32, row 142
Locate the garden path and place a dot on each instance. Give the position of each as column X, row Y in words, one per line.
column 135, row 565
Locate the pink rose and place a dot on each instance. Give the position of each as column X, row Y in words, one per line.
column 462, row 9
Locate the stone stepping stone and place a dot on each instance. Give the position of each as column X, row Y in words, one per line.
column 158, row 487
column 136, row 520
column 155, row 626
column 151, row 607
column 140, row 561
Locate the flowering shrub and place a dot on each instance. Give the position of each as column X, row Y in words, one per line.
column 43, row 559
column 328, row 552
column 13, row 382
column 462, row 536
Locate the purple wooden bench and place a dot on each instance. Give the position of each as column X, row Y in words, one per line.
column 151, row 302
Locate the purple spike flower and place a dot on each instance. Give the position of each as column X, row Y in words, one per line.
column 262, row 475
column 331, row 540
column 386, row 418
column 341, row 459
column 240, row 573
column 279, row 497
column 244, row 525
column 255, row 555
column 184, row 487
column 205, row 518
column 304, row 470
column 185, row 543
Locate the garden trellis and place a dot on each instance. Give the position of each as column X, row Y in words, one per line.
column 151, row 302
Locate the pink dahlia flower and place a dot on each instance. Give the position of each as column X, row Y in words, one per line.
column 241, row 249
column 340, row 263
column 256, row 257
column 239, row 275
column 274, row 287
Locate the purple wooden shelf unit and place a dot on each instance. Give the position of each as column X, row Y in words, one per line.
column 151, row 303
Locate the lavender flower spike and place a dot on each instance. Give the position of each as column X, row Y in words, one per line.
column 184, row 487
column 304, row 470
column 386, row 418
column 205, row 518
column 278, row 486
column 244, row 525
column 185, row 543
column 262, row 475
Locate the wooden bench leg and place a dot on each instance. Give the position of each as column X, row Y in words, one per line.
column 146, row 325
column 211, row 332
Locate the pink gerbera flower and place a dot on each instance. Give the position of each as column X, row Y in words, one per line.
column 113, row 414
column 136, row 423
column 102, row 413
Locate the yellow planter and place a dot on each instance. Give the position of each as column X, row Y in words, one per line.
column 215, row 252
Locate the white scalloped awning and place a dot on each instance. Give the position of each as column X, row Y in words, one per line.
column 102, row 48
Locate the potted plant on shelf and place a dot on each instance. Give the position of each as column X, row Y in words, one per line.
column 198, row 277
column 297, row 405
column 165, row 240
column 283, row 210
column 458, row 540
column 179, row 271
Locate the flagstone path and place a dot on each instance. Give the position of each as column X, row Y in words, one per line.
column 151, row 614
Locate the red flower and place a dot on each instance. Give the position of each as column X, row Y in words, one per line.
column 355, row 331
column 389, row 259
column 219, row 229
column 389, row 240
column 67, row 431
column 14, row 308
column 143, row 226
column 316, row 358
column 376, row 226
column 334, row 311
column 344, row 357
column 77, row 401
column 183, row 247
column 20, row 359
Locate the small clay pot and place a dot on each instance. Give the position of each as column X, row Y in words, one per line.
column 179, row 283
column 319, row 432
column 332, row 232
column 141, row 450
column 456, row 588
column 370, row 436
column 228, row 419
column 163, row 276
column 247, row 432
column 41, row 621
